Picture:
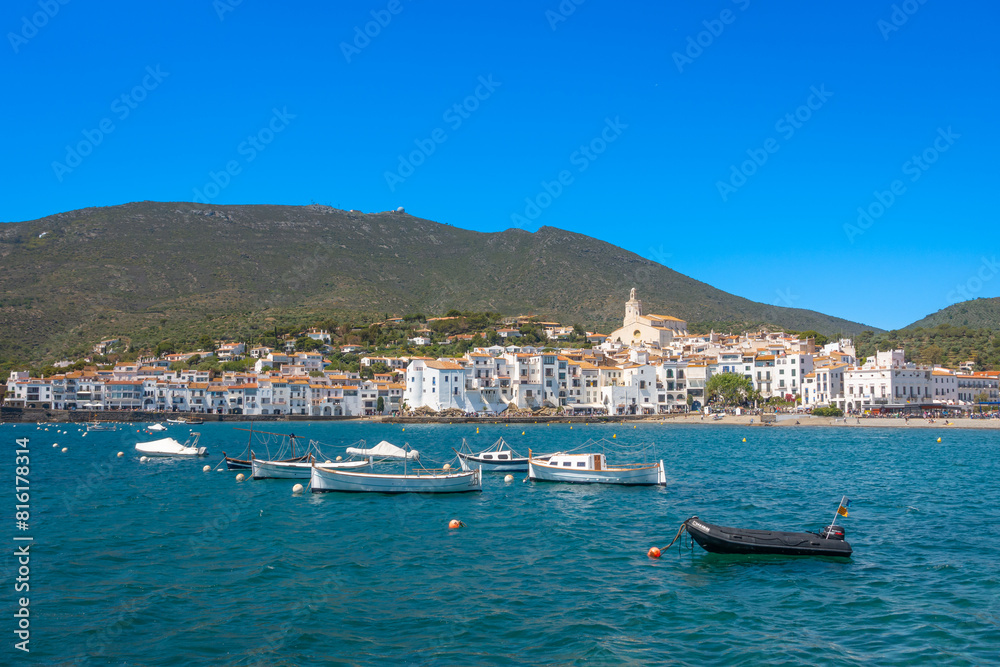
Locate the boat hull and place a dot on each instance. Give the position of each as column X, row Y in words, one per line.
column 324, row 479
column 471, row 462
column 298, row 469
column 726, row 540
column 645, row 476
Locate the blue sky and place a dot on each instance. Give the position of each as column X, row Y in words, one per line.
column 733, row 141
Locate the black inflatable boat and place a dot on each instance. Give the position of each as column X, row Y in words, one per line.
column 724, row 540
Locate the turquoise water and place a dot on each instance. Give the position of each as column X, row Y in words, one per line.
column 159, row 563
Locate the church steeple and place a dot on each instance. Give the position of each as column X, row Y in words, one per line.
column 633, row 309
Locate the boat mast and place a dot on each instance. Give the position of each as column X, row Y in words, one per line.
column 835, row 515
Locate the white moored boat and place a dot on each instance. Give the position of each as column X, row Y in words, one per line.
column 101, row 426
column 325, row 478
column 170, row 447
column 156, row 427
column 299, row 469
column 498, row 458
column 385, row 450
column 594, row 469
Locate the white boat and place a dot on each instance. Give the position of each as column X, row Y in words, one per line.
column 300, row 469
column 156, row 427
column 594, row 469
column 170, row 447
column 499, row 457
column 386, row 450
column 325, row 479
column 101, row 426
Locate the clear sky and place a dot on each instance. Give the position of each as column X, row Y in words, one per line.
column 733, row 141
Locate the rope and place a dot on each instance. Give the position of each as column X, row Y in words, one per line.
column 680, row 531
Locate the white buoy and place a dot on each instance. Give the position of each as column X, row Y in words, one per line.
column 447, row 466
column 143, row 459
column 340, row 458
column 121, row 454
column 206, row 468
column 328, row 461
column 65, row 449
column 297, row 488
column 240, row 477
column 508, row 479
column 55, row 444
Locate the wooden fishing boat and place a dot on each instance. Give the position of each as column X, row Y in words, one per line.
column 499, row 457
column 234, row 463
column 593, row 468
column 725, row 540
column 172, row 448
column 324, row 479
column 300, row 469
column 246, row 464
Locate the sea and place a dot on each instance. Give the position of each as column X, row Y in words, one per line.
column 163, row 563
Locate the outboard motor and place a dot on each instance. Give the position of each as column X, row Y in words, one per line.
column 833, row 533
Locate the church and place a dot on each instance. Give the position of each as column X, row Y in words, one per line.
column 646, row 330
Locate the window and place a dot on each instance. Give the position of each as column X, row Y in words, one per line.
column 503, row 456
column 567, row 464
column 580, row 464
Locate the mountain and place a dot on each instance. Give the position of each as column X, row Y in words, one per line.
column 149, row 270
column 975, row 314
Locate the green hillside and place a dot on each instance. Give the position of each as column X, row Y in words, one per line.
column 975, row 314
column 151, row 270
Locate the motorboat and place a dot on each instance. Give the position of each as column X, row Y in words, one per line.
column 170, row 447
column 156, row 427
column 101, row 426
column 725, row 540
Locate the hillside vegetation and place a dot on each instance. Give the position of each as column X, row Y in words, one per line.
column 975, row 314
column 154, row 271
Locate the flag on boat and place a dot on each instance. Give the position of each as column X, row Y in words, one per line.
column 842, row 510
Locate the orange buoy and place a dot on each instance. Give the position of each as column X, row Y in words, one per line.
column 654, row 552
column 455, row 523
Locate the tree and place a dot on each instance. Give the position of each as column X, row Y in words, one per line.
column 164, row 347
column 206, row 343
column 932, row 354
column 730, row 388
column 380, row 405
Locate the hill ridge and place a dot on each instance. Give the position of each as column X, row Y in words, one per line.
column 151, row 268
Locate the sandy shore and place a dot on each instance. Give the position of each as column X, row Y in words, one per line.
column 843, row 422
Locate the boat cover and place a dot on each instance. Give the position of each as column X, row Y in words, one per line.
column 385, row 450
